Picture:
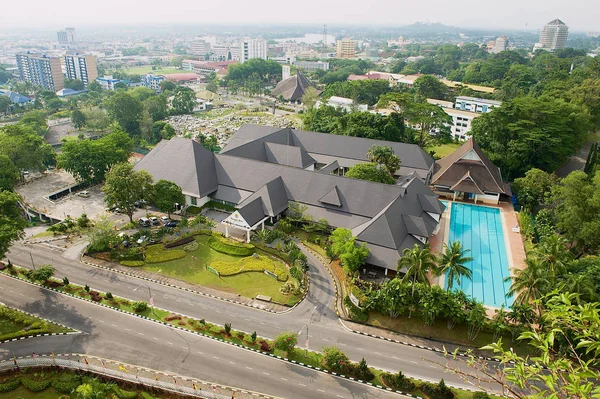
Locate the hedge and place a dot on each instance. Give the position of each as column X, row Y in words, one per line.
column 257, row 263
column 35, row 386
column 356, row 314
column 22, row 333
column 158, row 253
column 123, row 394
column 10, row 385
column 223, row 245
column 132, row 263
column 66, row 387
column 180, row 241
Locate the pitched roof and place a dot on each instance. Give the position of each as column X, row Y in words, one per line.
column 184, row 162
column 332, row 197
column 273, row 195
column 15, row 97
column 556, row 22
column 469, row 160
column 292, row 88
column 288, row 155
column 466, row 184
column 253, row 212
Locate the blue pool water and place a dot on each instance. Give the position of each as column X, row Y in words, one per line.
column 479, row 228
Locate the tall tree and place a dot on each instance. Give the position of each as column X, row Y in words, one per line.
column 124, row 186
column 78, row 118
column 384, row 155
column 529, row 284
column 428, row 86
column 418, row 263
column 9, row 174
column 310, row 97
column 11, row 221
column 166, row 194
column 553, row 253
column 534, row 188
column 184, row 100
column 371, row 172
column 25, row 149
column 125, row 110
column 453, row 262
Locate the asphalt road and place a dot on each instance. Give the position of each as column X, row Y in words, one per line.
column 115, row 335
column 324, row 326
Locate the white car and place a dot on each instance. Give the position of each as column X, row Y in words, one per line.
column 141, row 240
column 164, row 219
column 84, row 194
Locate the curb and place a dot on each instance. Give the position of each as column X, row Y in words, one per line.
column 30, row 242
column 308, row 366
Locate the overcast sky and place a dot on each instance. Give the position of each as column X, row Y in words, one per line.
column 580, row 15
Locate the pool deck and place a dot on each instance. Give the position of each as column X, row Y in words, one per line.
column 513, row 241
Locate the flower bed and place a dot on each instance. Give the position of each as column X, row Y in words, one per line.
column 257, row 263
column 223, row 245
column 158, row 253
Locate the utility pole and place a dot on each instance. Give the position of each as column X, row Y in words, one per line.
column 306, row 325
column 31, row 256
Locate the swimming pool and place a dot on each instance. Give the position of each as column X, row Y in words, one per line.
column 479, row 228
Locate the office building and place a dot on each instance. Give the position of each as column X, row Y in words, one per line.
column 500, row 45
column 41, row 70
column 152, row 82
column 66, row 37
column 109, row 83
column 347, row 104
column 479, row 105
column 345, row 48
column 253, row 48
column 225, row 52
column 81, row 67
column 311, row 66
column 206, row 67
column 200, row 48
column 554, row 35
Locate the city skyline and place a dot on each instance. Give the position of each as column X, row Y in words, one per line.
column 513, row 15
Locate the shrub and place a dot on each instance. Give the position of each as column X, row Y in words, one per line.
column 216, row 330
column 66, row 386
column 123, row 394
column 481, row 395
column 240, row 335
column 286, row 342
column 253, row 337
column 228, row 328
column 191, row 247
column 135, row 253
column 257, row 263
column 334, row 359
column 139, row 306
column 86, row 288
column 66, row 280
column 356, row 314
column 264, row 346
column 180, row 241
column 223, row 245
column 363, row 372
column 437, row 391
column 399, row 382
column 83, row 221
column 35, row 386
column 108, row 296
column 132, row 263
column 157, row 253
column 9, row 386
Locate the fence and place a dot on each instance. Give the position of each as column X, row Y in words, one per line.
column 41, row 361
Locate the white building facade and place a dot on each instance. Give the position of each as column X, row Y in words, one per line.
column 479, row 105
column 253, row 48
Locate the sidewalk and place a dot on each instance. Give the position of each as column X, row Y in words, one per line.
column 172, row 282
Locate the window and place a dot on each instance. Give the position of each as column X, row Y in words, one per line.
column 194, row 201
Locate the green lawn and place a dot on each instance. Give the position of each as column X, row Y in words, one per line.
column 143, row 70
column 444, row 149
column 14, row 323
column 192, row 269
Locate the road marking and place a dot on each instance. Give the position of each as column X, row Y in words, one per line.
column 320, row 390
column 21, row 294
column 201, row 353
column 230, row 362
column 413, row 362
column 324, row 339
column 232, row 315
column 141, row 334
column 170, row 343
column 265, row 373
column 378, row 353
column 249, row 368
column 396, row 357
column 154, row 338
column 214, row 357
column 285, row 379
column 114, row 325
column 184, row 347
column 127, row 329
column 301, row 384
column 339, row 396
column 218, row 311
column 101, row 321
column 342, row 344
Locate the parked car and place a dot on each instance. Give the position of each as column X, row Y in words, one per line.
column 164, row 219
column 139, row 203
column 172, row 223
column 154, row 221
column 141, row 240
column 144, row 222
column 84, row 194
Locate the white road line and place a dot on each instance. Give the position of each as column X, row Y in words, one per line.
column 127, row 329
column 170, row 343
column 395, row 357
column 214, row 357
column 114, row 325
column 265, row 373
column 154, row 338
column 413, row 362
column 378, row 353
column 141, row 334
column 324, row 339
column 342, row 344
column 101, row 321
column 218, row 311
column 284, row 379
column 201, row 353
column 301, row 384
column 339, row 396
column 249, row 368
column 230, row 362
column 320, row 390
column 184, row 347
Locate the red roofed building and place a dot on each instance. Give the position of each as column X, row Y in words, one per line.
column 181, row 77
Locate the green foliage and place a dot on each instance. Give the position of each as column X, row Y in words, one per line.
column 384, row 156
column 534, row 188
column 78, row 118
column 256, row 263
column 428, row 86
column 252, row 75
column 101, row 234
column 286, row 342
column 10, row 385
column 253, row 337
column 166, row 194
column 124, row 186
column 344, row 247
column 157, row 253
column 452, row 264
column 139, row 306
column 132, row 263
column 184, row 100
column 362, row 91
column 227, row 328
column 108, row 296
column 125, row 109
column 371, row 172
column 25, row 148
column 9, row 174
column 226, row 246
column 356, row 314
column 83, row 221
column 66, row 281
column 11, row 220
column 123, row 394
column 328, row 119
column 334, row 359
column 437, row 391
column 399, row 382
column 418, row 261
column 42, row 273
column 35, row 386
column 66, row 385
column 481, row 395
column 90, row 160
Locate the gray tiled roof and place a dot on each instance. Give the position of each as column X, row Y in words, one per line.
column 273, row 195
column 332, row 197
column 184, row 162
column 292, row 88
column 288, row 155
column 253, row 211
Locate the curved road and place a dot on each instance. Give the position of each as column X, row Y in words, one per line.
column 317, row 310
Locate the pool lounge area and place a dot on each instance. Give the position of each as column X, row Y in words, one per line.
column 480, row 229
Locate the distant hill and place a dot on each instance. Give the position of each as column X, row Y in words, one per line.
column 428, row 27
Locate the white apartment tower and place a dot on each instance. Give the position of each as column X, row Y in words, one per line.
column 253, row 48
column 66, row 37
column 501, row 45
column 554, row 35
column 81, row 67
column 200, row 48
column 345, row 48
column 41, row 70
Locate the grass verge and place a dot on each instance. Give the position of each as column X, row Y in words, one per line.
column 17, row 324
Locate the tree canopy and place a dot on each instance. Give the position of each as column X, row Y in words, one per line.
column 11, row 221
column 125, row 186
column 166, row 194
column 125, row 109
column 370, row 171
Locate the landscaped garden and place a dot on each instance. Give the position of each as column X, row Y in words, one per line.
column 16, row 324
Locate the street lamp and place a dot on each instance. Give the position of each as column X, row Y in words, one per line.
column 151, row 300
column 306, row 325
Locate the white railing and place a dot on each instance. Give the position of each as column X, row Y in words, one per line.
column 41, row 361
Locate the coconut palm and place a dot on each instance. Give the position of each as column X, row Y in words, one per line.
column 418, row 262
column 530, row 283
column 452, row 263
column 554, row 254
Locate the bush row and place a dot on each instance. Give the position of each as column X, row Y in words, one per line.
column 132, row 263
column 223, row 245
column 257, row 263
column 157, row 253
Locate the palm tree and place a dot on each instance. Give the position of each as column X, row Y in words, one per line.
column 452, row 263
column 418, row 262
column 529, row 284
column 553, row 253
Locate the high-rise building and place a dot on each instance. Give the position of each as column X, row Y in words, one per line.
column 345, row 48
column 66, row 37
column 200, row 48
column 253, row 48
column 501, row 45
column 41, row 70
column 81, row 67
column 554, row 35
